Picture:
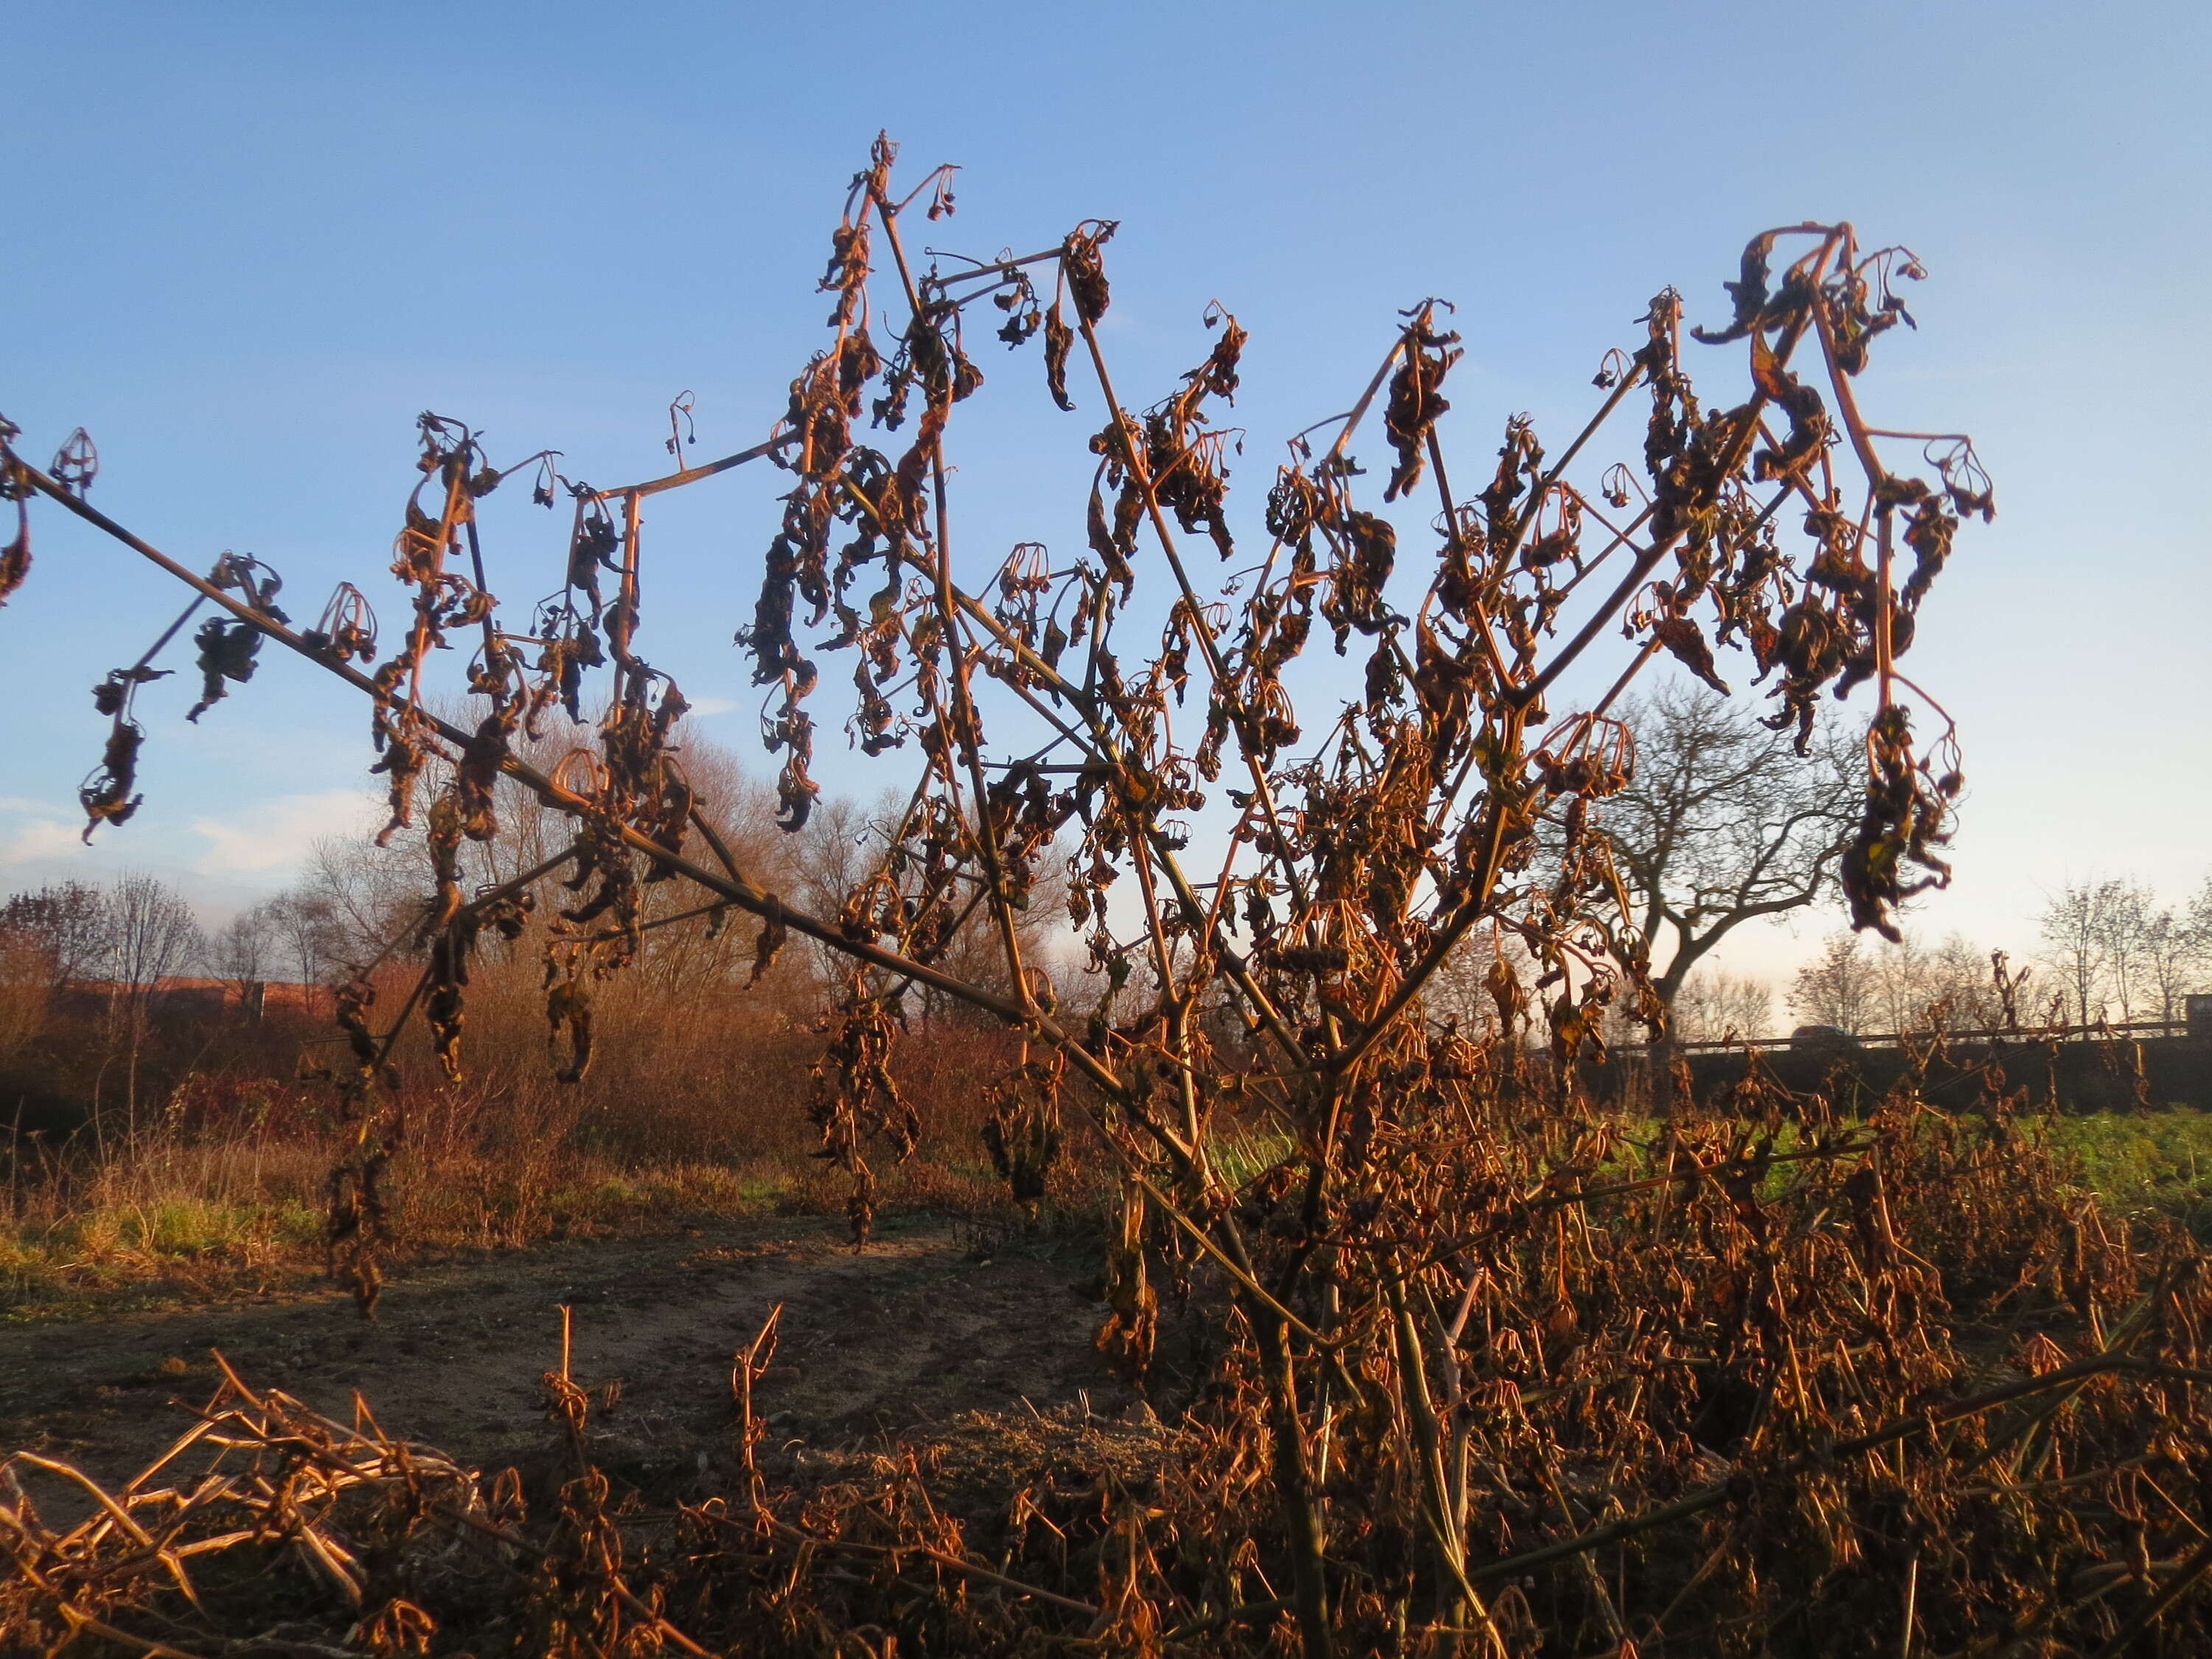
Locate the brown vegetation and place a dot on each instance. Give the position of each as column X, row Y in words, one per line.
column 1494, row 1376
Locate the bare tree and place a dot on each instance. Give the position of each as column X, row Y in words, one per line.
column 839, row 848
column 152, row 934
column 247, row 952
column 1898, row 985
column 58, row 936
column 68, row 920
column 1723, row 824
column 26, row 983
column 351, row 899
column 309, row 935
column 2078, row 928
column 2165, row 969
column 2127, row 921
column 1714, row 1006
column 1962, row 993
column 1907, row 985
column 842, row 847
column 1839, row 986
column 2194, row 947
column 1485, row 967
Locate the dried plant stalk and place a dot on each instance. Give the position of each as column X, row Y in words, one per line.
column 1479, row 1347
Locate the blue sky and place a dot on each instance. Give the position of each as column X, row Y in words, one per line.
column 246, row 244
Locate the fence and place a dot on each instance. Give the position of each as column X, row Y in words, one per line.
column 2108, row 1068
column 2195, row 1023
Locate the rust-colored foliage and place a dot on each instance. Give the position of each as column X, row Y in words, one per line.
column 1494, row 1379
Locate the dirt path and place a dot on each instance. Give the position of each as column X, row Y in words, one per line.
column 919, row 1330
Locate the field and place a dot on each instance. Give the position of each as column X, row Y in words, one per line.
column 932, row 1324
column 954, row 1352
column 184, row 1224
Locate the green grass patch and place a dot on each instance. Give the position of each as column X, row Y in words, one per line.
column 2157, row 1161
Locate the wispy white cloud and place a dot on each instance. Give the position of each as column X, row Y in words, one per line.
column 276, row 833
column 712, row 705
column 33, row 837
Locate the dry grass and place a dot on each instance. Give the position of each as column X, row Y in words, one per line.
column 185, row 1216
column 200, row 1211
column 169, row 1220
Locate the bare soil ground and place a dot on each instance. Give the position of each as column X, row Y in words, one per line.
column 925, row 1331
